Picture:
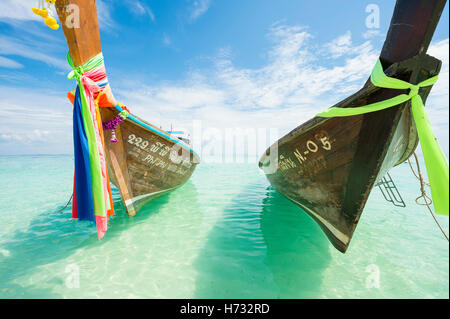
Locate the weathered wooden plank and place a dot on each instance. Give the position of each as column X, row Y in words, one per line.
column 141, row 171
column 336, row 161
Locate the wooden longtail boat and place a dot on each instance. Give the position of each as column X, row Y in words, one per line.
column 146, row 161
column 328, row 166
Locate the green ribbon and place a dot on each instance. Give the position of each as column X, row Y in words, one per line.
column 94, row 157
column 435, row 160
column 77, row 71
column 124, row 114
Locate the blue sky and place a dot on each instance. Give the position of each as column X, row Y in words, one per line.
column 233, row 63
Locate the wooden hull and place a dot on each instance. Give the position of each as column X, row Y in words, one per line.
column 148, row 165
column 145, row 163
column 329, row 166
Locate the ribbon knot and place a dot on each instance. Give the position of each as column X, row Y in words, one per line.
column 414, row 90
column 76, row 73
column 435, row 160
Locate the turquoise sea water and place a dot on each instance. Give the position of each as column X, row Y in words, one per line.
column 224, row 234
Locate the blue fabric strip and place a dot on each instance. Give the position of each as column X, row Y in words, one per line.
column 83, row 184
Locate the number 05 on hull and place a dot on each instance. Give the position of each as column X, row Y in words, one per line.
column 328, row 166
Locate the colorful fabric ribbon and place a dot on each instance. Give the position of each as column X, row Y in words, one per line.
column 92, row 193
column 435, row 160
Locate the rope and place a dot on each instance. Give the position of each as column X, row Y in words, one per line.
column 427, row 201
column 412, row 169
column 62, row 209
column 414, row 172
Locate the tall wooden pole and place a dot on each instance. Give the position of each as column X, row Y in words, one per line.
column 80, row 25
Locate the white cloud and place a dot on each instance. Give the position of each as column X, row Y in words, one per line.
column 340, row 46
column 199, row 7
column 30, row 49
column 17, row 10
column 440, row 50
column 140, row 9
column 8, row 63
column 371, row 33
column 299, row 78
column 437, row 104
column 35, row 135
column 166, row 40
column 18, row 14
column 290, row 88
column 40, row 121
column 104, row 14
column 31, row 38
column 294, row 75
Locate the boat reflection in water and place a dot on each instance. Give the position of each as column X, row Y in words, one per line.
column 297, row 250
